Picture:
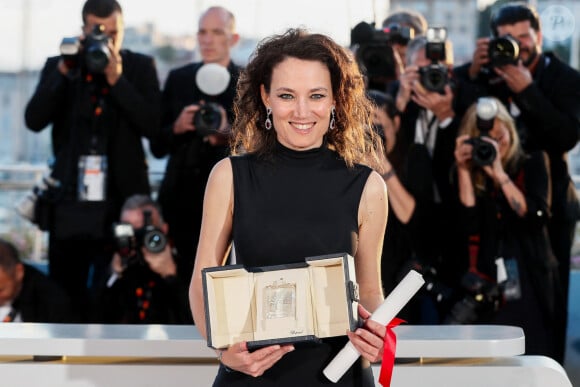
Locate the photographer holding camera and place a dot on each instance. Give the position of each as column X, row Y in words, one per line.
column 419, row 166
column 409, row 241
column 424, row 97
column 149, row 280
column 505, row 204
column 196, row 115
column 542, row 94
column 100, row 101
column 400, row 20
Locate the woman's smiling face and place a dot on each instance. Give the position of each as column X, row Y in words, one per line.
column 301, row 100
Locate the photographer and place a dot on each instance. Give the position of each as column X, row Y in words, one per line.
column 411, row 202
column 543, row 96
column 149, row 280
column 405, row 18
column 419, row 187
column 27, row 294
column 193, row 150
column 100, row 102
column 505, row 206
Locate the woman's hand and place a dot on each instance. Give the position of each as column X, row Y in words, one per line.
column 406, row 81
column 237, row 357
column 463, row 152
column 368, row 340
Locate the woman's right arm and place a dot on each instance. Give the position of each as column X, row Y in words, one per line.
column 215, row 235
column 214, row 243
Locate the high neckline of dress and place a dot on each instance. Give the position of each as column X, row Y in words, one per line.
column 309, row 154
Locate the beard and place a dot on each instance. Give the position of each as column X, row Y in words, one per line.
column 532, row 55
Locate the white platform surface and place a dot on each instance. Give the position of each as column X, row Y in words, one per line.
column 158, row 355
column 161, row 341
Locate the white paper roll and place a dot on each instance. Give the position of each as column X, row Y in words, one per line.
column 392, row 305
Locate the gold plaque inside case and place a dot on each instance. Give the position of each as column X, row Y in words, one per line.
column 279, row 304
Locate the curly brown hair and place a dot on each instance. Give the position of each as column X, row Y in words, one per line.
column 351, row 138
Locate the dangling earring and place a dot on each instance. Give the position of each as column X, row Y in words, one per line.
column 332, row 121
column 268, row 123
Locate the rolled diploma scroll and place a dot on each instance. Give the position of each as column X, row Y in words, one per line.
column 392, row 305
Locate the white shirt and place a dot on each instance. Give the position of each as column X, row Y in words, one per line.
column 5, row 311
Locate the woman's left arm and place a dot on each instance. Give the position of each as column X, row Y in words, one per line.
column 373, row 211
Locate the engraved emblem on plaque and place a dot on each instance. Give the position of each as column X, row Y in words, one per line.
column 280, row 300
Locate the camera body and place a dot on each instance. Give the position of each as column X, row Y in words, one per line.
column 130, row 241
column 482, row 299
column 208, row 119
column 375, row 53
column 32, row 207
column 484, row 152
column 503, row 50
column 92, row 52
column 434, row 76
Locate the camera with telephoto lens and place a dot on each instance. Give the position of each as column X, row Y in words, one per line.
column 375, row 52
column 92, row 52
column 503, row 50
column 130, row 241
column 208, row 119
column 434, row 76
column 484, row 152
column 482, row 299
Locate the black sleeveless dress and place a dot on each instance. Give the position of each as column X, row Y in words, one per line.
column 288, row 207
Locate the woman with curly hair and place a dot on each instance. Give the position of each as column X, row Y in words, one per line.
column 300, row 182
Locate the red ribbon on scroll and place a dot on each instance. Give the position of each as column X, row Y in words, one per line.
column 389, row 349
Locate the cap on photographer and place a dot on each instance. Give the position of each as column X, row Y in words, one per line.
column 196, row 116
column 149, row 280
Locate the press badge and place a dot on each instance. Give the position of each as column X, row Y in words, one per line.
column 512, row 288
column 92, row 177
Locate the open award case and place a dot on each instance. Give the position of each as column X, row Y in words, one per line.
column 280, row 304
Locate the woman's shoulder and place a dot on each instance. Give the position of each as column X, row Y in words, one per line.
column 375, row 185
column 221, row 171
